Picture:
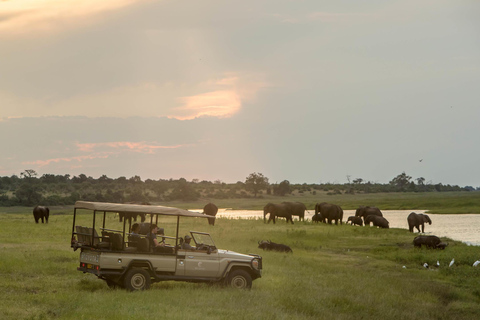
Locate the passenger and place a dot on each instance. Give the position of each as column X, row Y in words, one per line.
column 186, row 244
column 136, row 229
column 134, row 236
column 158, row 246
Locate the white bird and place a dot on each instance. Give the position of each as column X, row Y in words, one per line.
column 451, row 262
column 425, row 265
column 404, row 267
column 476, row 263
column 438, row 263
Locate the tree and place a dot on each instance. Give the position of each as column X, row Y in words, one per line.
column 401, row 181
column 29, row 173
column 27, row 193
column 282, row 188
column 256, row 182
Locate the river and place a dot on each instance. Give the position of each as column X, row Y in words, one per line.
column 460, row 227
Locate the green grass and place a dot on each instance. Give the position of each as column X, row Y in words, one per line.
column 335, row 272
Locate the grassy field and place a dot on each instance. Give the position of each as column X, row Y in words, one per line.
column 335, row 272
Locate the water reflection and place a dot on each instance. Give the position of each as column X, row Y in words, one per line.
column 461, row 227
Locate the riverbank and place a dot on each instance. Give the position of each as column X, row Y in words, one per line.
column 459, row 227
column 435, row 202
column 339, row 272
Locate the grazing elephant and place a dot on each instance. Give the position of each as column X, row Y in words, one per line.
column 429, row 241
column 355, row 220
column 129, row 216
column 417, row 220
column 211, row 210
column 328, row 212
column 40, row 212
column 296, row 209
column 277, row 210
column 366, row 211
column 377, row 221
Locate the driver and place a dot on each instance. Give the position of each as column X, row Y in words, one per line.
column 186, row 244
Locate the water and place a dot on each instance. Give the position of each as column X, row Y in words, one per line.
column 460, row 227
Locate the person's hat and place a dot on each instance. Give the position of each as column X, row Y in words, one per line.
column 187, row 237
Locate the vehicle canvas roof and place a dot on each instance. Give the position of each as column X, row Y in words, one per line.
column 137, row 208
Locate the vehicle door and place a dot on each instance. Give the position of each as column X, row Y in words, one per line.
column 201, row 264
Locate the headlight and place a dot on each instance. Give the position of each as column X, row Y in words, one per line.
column 255, row 264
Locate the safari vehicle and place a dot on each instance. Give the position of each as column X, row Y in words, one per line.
column 128, row 262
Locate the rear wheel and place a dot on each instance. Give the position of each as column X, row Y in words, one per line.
column 137, row 279
column 239, row 279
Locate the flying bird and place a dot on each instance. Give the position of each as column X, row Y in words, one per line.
column 451, row 262
column 420, row 160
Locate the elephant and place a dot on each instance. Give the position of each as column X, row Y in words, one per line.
column 377, row 221
column 429, row 241
column 40, row 212
column 364, row 212
column 355, row 220
column 328, row 212
column 211, row 210
column 417, row 220
column 296, row 209
column 128, row 216
column 277, row 210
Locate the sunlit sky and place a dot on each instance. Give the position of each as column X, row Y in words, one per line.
column 306, row 91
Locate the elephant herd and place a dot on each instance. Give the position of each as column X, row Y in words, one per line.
column 328, row 213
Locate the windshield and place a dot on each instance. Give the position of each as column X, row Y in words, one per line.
column 202, row 238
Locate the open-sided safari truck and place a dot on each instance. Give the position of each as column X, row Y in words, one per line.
column 129, row 262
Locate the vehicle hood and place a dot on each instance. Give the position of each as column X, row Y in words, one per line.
column 234, row 255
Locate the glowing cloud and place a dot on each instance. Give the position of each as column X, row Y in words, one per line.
column 219, row 103
column 25, row 16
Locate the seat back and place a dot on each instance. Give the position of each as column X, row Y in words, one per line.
column 80, row 236
column 133, row 241
column 117, row 241
column 87, row 236
column 143, row 245
column 96, row 238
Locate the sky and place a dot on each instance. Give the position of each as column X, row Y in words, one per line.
column 305, row 91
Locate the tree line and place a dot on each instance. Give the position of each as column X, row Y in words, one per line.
column 29, row 189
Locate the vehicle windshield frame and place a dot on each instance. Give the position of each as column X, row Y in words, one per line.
column 202, row 238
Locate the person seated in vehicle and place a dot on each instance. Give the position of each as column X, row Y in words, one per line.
column 186, row 244
column 135, row 230
column 158, row 246
column 134, row 235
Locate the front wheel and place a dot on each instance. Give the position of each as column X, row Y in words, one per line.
column 137, row 279
column 239, row 279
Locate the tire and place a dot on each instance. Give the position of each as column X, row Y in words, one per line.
column 239, row 279
column 137, row 279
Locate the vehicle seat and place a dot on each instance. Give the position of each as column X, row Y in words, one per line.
column 143, row 245
column 117, row 241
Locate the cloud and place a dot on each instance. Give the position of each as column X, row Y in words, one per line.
column 103, row 150
column 220, row 104
column 43, row 163
column 219, row 97
column 141, row 147
column 31, row 16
